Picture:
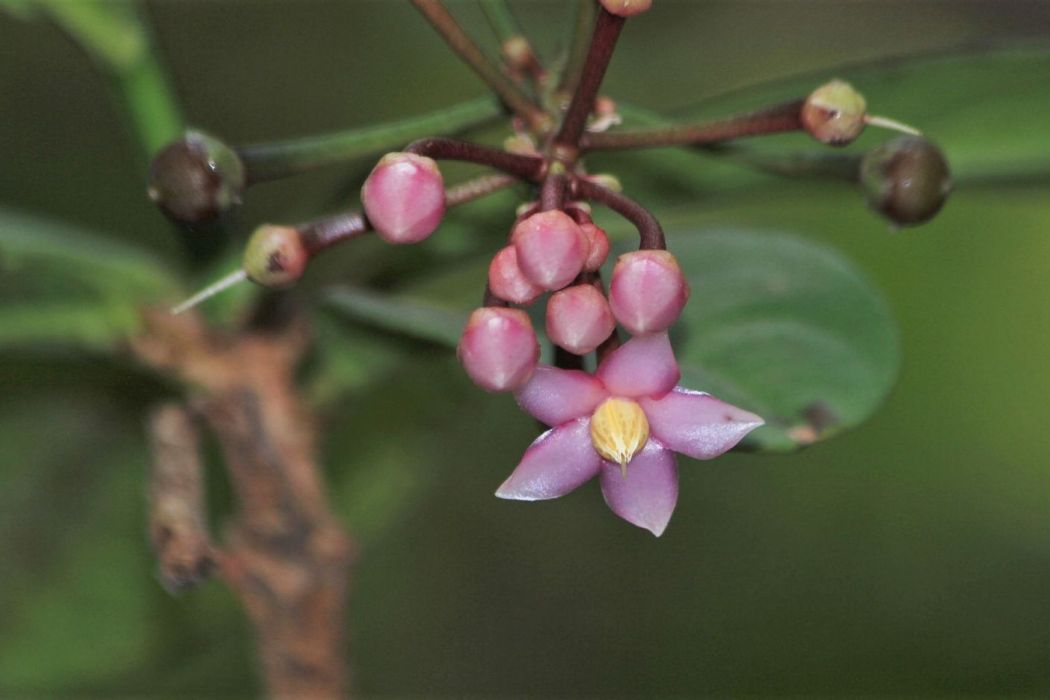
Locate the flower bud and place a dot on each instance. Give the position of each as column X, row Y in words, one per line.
column 551, row 248
column 404, row 197
column 626, row 8
column 275, row 256
column 196, row 179
column 507, row 281
column 906, row 179
column 499, row 348
column 579, row 319
column 834, row 113
column 647, row 291
column 598, row 243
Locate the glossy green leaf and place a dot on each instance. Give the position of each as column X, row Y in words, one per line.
column 784, row 328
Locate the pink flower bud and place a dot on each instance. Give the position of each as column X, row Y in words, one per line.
column 551, row 248
column 647, row 291
column 507, row 281
column 579, row 319
column 599, row 247
column 404, row 197
column 499, row 348
column 626, row 8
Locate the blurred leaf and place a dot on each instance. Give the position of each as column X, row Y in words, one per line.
column 35, row 240
column 784, row 328
column 411, row 317
column 88, row 326
column 63, row 285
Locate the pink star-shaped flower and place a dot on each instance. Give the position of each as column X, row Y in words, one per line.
column 632, row 397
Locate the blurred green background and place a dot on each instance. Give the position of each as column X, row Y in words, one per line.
column 909, row 556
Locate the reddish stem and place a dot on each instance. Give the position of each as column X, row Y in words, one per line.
column 772, row 120
column 603, row 42
column 650, row 233
column 529, row 168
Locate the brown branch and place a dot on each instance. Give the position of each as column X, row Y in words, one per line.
column 286, row 557
column 178, row 524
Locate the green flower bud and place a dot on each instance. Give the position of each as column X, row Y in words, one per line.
column 275, row 256
column 196, row 179
column 835, row 113
column 906, row 179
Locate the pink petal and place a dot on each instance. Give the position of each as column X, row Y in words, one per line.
column 647, row 495
column 555, row 396
column 643, row 366
column 556, row 463
column 697, row 424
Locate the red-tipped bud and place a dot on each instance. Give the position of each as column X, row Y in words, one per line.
column 275, row 256
column 579, row 319
column 499, row 348
column 507, row 281
column 647, row 291
column 196, row 179
column 599, row 247
column 404, row 197
column 551, row 249
column 835, row 113
column 626, row 8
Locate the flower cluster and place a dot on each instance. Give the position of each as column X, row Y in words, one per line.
column 623, row 423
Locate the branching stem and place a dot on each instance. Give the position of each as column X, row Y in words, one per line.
column 439, row 17
column 603, row 42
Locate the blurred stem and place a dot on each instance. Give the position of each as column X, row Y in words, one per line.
column 445, row 24
column 502, row 20
column 178, row 521
column 113, row 33
column 286, row 557
column 771, row 120
column 584, row 26
column 815, row 163
column 269, row 161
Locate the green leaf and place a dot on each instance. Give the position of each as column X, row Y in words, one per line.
column 30, row 240
column 785, row 328
column 65, row 286
column 407, row 316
